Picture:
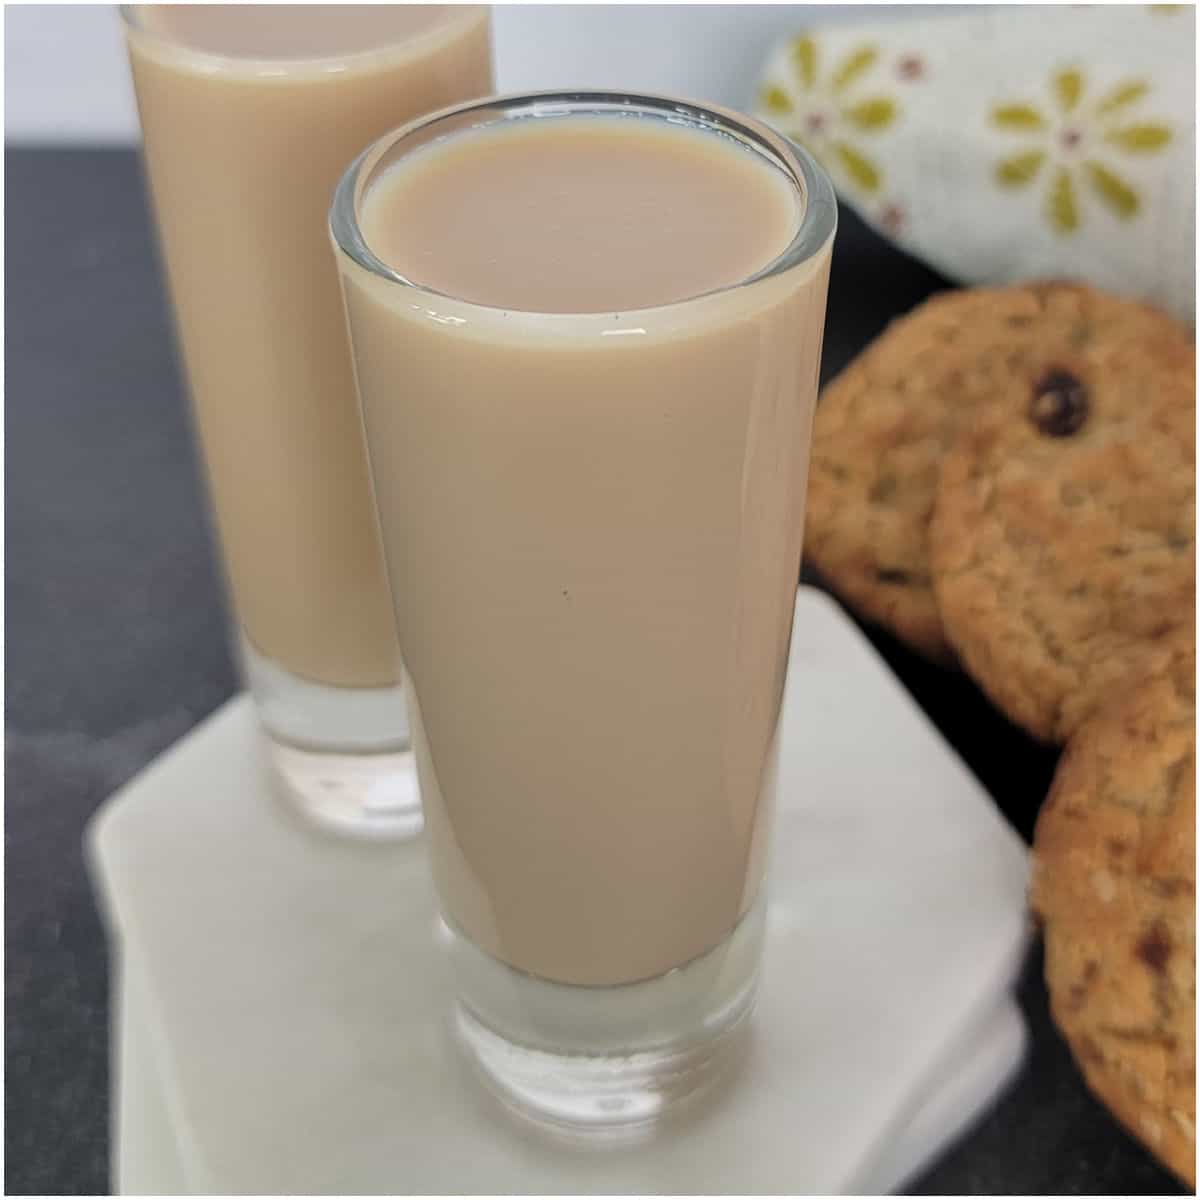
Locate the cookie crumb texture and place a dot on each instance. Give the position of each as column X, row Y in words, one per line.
column 885, row 424
column 1115, row 886
column 1063, row 532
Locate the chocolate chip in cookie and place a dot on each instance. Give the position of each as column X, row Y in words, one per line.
column 1060, row 403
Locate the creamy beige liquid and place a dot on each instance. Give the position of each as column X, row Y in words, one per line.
column 592, row 522
column 250, row 114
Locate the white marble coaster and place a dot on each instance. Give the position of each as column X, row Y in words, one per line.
column 282, row 1022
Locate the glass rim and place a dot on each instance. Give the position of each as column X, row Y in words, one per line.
column 818, row 220
column 263, row 66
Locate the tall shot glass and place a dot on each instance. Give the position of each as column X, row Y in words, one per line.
column 592, row 524
column 250, row 113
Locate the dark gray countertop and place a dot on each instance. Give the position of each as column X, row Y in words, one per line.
column 116, row 646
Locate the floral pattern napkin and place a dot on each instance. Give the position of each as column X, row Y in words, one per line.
column 1012, row 142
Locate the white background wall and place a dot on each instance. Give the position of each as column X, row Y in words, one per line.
column 65, row 78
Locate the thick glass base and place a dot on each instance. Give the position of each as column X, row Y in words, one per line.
column 355, row 795
column 607, row 1061
column 342, row 755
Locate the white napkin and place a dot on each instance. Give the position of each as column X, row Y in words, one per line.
column 1010, row 142
column 283, row 1009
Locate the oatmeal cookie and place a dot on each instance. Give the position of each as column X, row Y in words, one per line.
column 1114, row 885
column 1063, row 534
column 885, row 424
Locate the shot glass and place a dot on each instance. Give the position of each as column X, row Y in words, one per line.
column 592, row 524
column 250, row 114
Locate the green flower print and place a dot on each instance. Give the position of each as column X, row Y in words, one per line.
column 1068, row 144
column 827, row 113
